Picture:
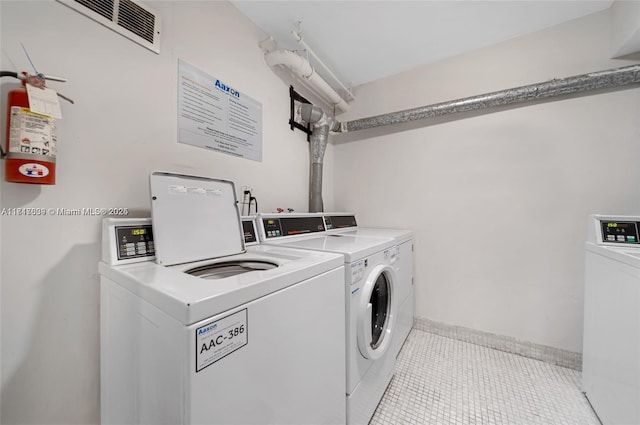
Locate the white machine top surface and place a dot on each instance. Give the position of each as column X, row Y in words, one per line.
column 352, row 247
column 399, row 235
column 630, row 257
column 190, row 299
column 194, row 218
column 308, row 231
column 343, row 223
column 615, row 237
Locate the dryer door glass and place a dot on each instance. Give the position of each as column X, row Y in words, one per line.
column 380, row 309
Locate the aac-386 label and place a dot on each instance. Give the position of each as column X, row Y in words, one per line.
column 220, row 338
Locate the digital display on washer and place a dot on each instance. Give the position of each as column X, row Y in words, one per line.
column 340, row 221
column 622, row 232
column 289, row 226
column 249, row 231
column 135, row 241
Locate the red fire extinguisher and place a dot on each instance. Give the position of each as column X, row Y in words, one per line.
column 30, row 137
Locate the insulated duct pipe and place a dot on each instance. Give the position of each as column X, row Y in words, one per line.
column 303, row 69
column 597, row 80
column 322, row 124
column 317, row 146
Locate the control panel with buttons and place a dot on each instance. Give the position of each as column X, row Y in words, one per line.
column 620, row 232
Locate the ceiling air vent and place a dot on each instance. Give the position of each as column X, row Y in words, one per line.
column 127, row 17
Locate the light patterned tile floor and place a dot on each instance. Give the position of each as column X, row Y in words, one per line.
column 444, row 381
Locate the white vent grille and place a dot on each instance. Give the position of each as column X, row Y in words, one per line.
column 127, row 17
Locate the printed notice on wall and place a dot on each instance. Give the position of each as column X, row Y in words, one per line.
column 215, row 115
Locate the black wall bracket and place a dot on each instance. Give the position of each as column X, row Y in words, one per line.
column 294, row 97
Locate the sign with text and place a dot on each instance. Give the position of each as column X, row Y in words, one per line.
column 216, row 116
column 218, row 339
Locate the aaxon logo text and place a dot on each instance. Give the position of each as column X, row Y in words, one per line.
column 227, row 89
column 209, row 328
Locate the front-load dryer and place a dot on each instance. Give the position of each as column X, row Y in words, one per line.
column 346, row 224
column 223, row 335
column 369, row 289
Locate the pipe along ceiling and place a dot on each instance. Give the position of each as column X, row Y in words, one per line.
column 322, row 123
column 612, row 78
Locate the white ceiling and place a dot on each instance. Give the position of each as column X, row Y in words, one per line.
column 362, row 41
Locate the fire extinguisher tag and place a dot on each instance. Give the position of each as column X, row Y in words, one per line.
column 43, row 100
column 31, row 133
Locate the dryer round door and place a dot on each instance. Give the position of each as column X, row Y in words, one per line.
column 376, row 312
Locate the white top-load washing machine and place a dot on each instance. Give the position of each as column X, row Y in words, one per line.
column 611, row 347
column 211, row 333
column 345, row 223
column 369, row 290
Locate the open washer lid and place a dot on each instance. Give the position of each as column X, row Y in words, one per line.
column 194, row 218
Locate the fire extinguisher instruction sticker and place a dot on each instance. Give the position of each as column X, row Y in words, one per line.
column 220, row 338
column 32, row 133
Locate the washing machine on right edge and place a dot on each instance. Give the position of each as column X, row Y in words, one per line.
column 611, row 345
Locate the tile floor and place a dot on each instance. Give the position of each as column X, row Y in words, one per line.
column 443, row 381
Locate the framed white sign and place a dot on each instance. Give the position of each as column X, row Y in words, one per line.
column 214, row 115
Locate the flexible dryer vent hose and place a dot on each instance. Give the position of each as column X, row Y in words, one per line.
column 322, row 124
column 317, row 146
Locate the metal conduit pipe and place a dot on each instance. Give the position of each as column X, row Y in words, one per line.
column 303, row 69
column 619, row 77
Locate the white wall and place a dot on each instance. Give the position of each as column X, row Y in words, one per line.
column 122, row 127
column 625, row 37
column 498, row 201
